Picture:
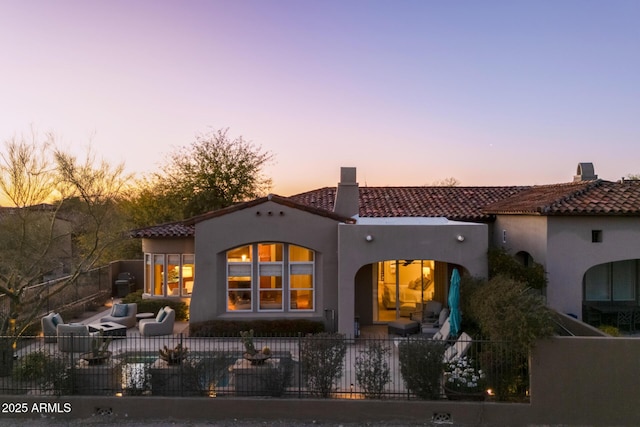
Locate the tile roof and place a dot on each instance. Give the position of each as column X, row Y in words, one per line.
column 454, row 203
column 596, row 197
column 173, row 229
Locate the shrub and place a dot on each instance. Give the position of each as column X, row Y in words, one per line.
column 421, row 366
column 277, row 327
column 513, row 317
column 503, row 263
column 322, row 358
column 49, row 371
column 153, row 305
column 372, row 369
column 610, row 330
column 276, row 379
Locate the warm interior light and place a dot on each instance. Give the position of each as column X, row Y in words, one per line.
column 244, row 257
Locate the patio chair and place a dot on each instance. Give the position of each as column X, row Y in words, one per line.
column 625, row 318
column 161, row 325
column 459, row 348
column 444, row 332
column 74, row 338
column 123, row 314
column 49, row 325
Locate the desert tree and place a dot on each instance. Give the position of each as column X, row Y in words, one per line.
column 62, row 220
column 213, row 172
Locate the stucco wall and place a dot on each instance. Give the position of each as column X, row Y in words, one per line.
column 571, row 253
column 275, row 223
column 524, row 233
column 562, row 244
column 438, row 242
column 168, row 246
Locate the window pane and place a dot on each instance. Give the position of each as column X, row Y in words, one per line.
column 147, row 274
column 301, row 300
column 188, row 269
column 270, row 300
column 270, row 252
column 158, row 274
column 239, row 300
column 241, row 254
column 271, row 269
column 301, row 268
column 298, row 253
column 624, row 280
column 300, row 281
column 596, row 286
column 173, row 274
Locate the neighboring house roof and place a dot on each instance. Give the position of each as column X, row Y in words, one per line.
column 173, row 229
column 597, row 197
column 454, row 203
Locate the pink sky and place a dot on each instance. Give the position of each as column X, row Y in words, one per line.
column 409, row 92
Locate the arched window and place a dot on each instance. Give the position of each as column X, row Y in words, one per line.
column 279, row 278
column 612, row 281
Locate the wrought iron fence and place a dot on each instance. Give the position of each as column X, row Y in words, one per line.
column 323, row 365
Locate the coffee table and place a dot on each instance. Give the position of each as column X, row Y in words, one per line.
column 140, row 316
column 109, row 329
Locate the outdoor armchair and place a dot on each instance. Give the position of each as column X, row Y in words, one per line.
column 124, row 314
column 459, row 348
column 49, row 325
column 161, row 325
column 74, row 338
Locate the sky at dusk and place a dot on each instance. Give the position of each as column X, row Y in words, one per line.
column 409, row 92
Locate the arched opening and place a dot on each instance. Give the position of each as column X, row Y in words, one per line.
column 610, row 293
column 524, row 258
column 391, row 289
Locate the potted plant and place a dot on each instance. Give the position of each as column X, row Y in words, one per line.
column 99, row 350
column 463, row 381
column 173, row 356
column 256, row 357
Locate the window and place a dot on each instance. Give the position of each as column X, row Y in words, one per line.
column 280, row 279
column 239, row 283
column 613, row 281
column 596, row 236
column 169, row 274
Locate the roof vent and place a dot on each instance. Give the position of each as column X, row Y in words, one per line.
column 585, row 173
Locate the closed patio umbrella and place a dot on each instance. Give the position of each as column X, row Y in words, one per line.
column 455, row 319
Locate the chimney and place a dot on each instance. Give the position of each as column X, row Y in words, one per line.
column 585, row 172
column 347, row 201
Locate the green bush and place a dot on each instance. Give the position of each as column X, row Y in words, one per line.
column 153, row 305
column 372, row 369
column 322, row 361
column 49, row 371
column 512, row 316
column 501, row 263
column 610, row 330
column 421, row 366
column 276, row 327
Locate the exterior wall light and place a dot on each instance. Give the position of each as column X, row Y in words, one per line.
column 460, row 238
column 369, row 238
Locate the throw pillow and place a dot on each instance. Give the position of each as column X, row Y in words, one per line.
column 161, row 315
column 56, row 319
column 120, row 310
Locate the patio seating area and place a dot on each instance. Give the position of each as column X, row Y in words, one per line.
column 214, row 366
